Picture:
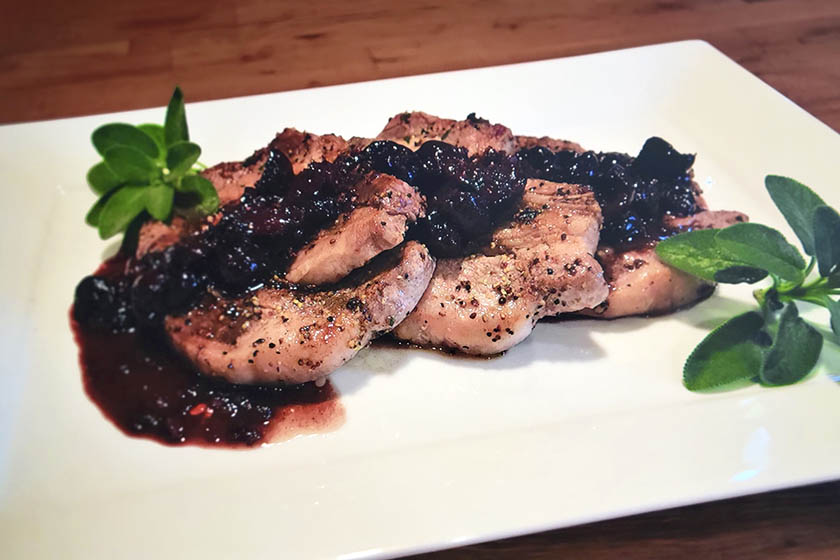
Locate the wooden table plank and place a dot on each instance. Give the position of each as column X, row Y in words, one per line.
column 801, row 524
column 60, row 59
column 97, row 57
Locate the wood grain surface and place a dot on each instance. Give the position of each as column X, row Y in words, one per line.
column 60, row 59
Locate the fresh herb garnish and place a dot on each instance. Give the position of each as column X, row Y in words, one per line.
column 772, row 345
column 147, row 171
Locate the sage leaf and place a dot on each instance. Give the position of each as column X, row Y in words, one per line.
column 131, row 165
column 101, row 179
column 159, row 201
column 728, row 354
column 738, row 274
column 120, row 134
column 772, row 300
column 762, row 247
column 175, row 124
column 797, row 203
column 697, row 253
column 180, row 157
column 156, row 133
column 827, row 239
column 834, row 309
column 794, row 352
column 120, row 209
column 204, row 191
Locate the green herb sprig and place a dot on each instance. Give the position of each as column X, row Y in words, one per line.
column 772, row 345
column 147, row 171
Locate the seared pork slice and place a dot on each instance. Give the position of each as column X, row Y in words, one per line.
column 293, row 336
column 303, row 148
column 552, row 213
column 157, row 236
column 474, row 134
column 641, row 284
column 384, row 206
column 553, row 144
column 485, row 304
column 706, row 219
column 230, row 179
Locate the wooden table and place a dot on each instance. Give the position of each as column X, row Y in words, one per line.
column 60, row 59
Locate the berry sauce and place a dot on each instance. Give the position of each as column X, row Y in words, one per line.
column 635, row 194
column 147, row 390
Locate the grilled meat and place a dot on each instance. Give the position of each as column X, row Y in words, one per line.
column 539, row 264
column 641, row 284
column 475, row 134
column 383, row 207
column 553, row 144
column 278, row 334
column 231, row 178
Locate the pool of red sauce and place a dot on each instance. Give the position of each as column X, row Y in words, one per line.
column 147, row 390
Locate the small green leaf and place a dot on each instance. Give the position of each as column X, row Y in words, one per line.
column 696, row 252
column 92, row 217
column 120, row 134
column 180, row 158
column 762, row 247
column 156, row 133
column 827, row 239
column 797, row 203
column 794, row 352
column 131, row 165
column 738, row 274
column 175, row 126
column 728, row 354
column 208, row 198
column 120, row 209
column 101, row 179
column 159, row 201
column 834, row 309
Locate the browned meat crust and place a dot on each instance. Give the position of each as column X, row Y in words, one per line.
column 553, row 144
column 302, row 148
column 291, row 336
column 543, row 265
column 384, row 206
column 707, row 219
column 157, row 236
column 477, row 135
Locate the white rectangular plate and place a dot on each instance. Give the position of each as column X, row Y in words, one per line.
column 585, row 420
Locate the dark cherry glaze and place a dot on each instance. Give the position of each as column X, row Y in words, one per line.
column 147, row 390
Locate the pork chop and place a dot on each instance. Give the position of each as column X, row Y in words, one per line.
column 303, row 148
column 475, row 134
column 383, row 207
column 539, row 264
column 641, row 284
column 293, row 336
